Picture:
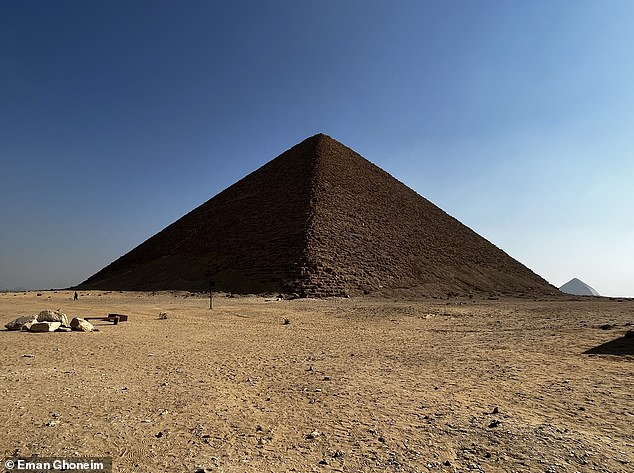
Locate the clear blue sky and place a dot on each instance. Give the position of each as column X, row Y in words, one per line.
column 118, row 117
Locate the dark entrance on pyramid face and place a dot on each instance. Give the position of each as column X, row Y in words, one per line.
column 318, row 220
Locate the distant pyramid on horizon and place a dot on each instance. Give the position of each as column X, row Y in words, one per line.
column 578, row 288
column 319, row 220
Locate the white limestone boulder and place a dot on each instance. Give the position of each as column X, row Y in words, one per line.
column 45, row 326
column 81, row 325
column 53, row 316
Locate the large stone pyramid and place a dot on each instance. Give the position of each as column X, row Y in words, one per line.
column 578, row 288
column 319, row 220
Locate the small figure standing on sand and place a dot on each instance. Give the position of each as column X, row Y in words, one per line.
column 75, row 296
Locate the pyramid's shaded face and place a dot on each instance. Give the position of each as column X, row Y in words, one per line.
column 319, row 220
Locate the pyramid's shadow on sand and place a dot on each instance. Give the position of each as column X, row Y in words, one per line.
column 620, row 346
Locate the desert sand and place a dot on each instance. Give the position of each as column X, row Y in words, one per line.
column 352, row 385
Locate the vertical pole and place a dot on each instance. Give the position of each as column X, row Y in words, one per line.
column 211, row 297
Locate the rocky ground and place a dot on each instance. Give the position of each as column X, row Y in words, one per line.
column 352, row 385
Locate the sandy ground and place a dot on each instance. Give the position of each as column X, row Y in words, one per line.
column 348, row 385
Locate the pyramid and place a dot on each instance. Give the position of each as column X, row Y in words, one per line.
column 578, row 288
column 319, row 220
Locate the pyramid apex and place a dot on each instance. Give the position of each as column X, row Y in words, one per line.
column 318, row 137
column 321, row 143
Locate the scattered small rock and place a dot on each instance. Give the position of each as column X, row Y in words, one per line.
column 495, row 423
column 606, row 326
column 313, row 435
column 286, row 321
column 162, row 316
column 496, row 410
